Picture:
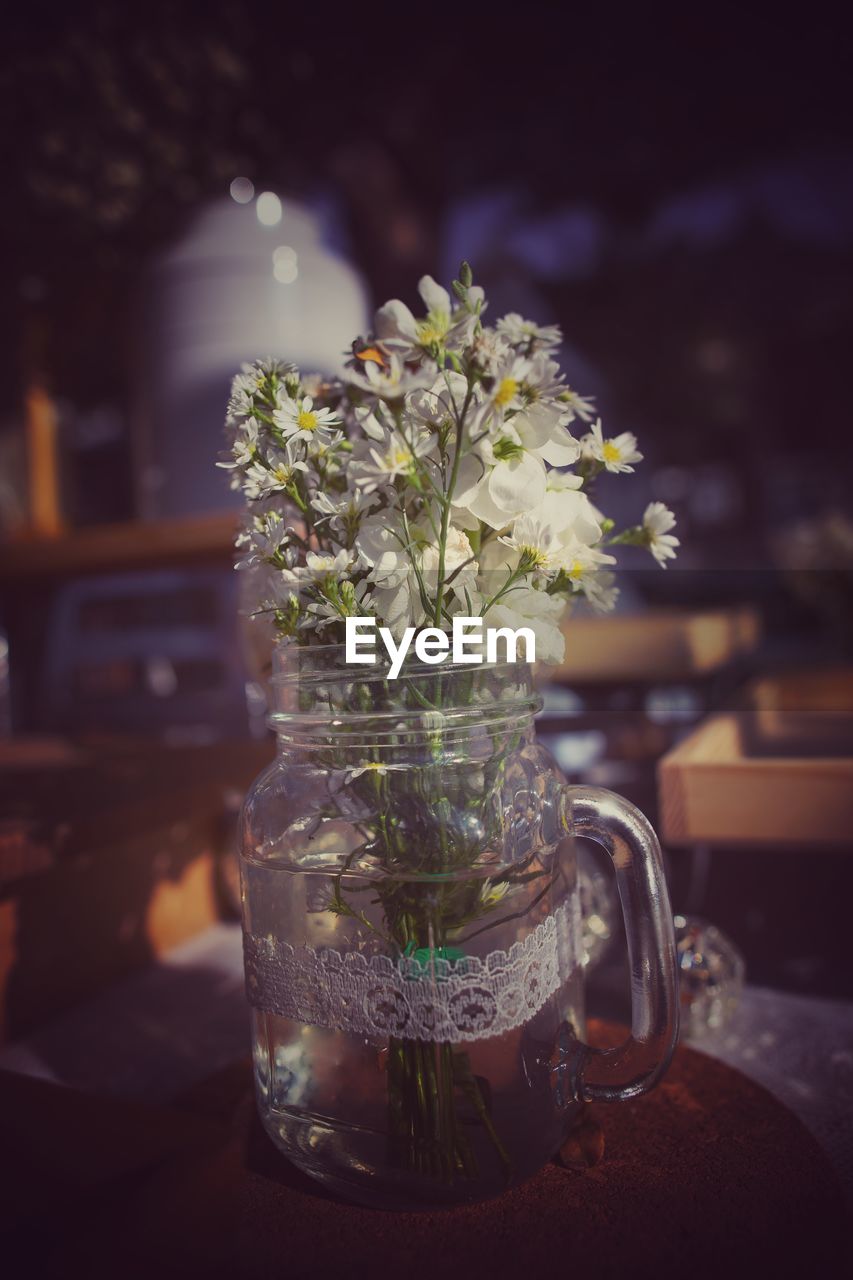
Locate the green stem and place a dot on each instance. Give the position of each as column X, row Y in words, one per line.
column 451, row 485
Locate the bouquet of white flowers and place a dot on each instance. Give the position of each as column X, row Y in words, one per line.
column 440, row 477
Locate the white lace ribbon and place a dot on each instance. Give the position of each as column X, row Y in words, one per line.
column 466, row 999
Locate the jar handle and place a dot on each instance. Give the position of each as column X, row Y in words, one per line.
column 605, row 1075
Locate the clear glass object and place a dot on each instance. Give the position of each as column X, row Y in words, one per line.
column 711, row 976
column 598, row 909
column 412, row 932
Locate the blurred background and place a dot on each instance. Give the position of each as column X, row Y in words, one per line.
column 188, row 187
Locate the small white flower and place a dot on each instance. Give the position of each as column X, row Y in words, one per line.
column 276, row 477
column 488, row 352
column 496, row 489
column 537, row 425
column 540, row 416
column 544, row 381
column 657, row 522
column 458, row 559
column 343, row 512
column 382, row 551
column 321, row 565
column 506, row 392
column 537, row 545
column 391, row 381
column 398, row 329
column 581, row 565
column 246, row 385
column 437, row 406
column 524, row 333
column 385, row 460
column 299, row 420
column 569, row 512
column 618, row 454
column 530, row 607
column 244, row 447
column 563, row 481
column 263, row 540
column 582, row 407
column 600, row 591
column 244, row 388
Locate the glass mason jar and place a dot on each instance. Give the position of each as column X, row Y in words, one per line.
column 412, row 932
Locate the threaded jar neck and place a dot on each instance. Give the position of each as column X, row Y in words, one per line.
column 318, row 698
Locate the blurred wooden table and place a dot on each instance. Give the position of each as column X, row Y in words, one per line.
column 111, row 853
column 779, row 771
column 117, row 548
column 663, row 645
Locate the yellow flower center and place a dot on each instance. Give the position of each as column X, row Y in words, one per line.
column 576, row 571
column 611, row 451
column 534, row 556
column 433, row 329
column 399, row 457
column 307, row 420
column 283, row 473
column 507, row 390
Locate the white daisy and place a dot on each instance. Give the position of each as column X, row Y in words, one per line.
column 299, row 420
column 582, row 407
column 276, row 477
column 343, row 511
column 537, row 545
column 244, row 447
column 384, row 460
column 544, row 381
column 265, row 538
column 618, row 454
column 507, row 388
column 524, row 333
column 581, row 565
column 488, row 352
column 657, row 521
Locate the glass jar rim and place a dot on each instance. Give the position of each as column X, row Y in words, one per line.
column 285, row 648
column 315, row 690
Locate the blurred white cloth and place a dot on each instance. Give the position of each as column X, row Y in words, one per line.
column 232, row 290
column 801, row 1049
